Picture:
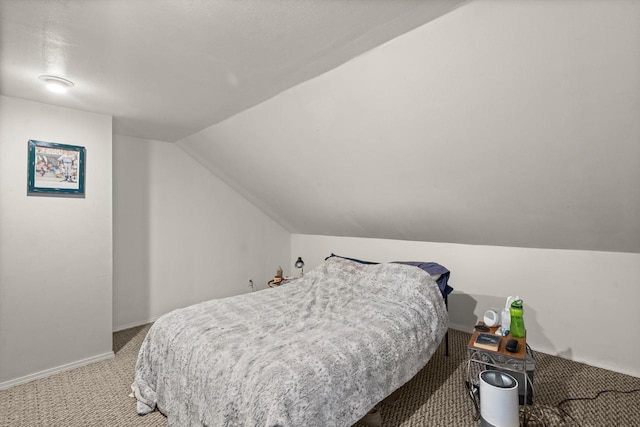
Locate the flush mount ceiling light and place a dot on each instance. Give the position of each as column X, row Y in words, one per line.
column 56, row 84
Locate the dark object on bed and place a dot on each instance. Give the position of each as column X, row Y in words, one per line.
column 432, row 268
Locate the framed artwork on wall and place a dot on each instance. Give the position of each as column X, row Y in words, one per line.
column 55, row 169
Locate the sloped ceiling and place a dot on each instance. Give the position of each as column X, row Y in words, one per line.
column 165, row 69
column 501, row 123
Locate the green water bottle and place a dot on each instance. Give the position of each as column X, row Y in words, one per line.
column 517, row 321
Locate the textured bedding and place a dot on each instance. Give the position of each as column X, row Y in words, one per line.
column 318, row 351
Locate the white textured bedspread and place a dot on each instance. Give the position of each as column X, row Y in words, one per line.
column 317, row 351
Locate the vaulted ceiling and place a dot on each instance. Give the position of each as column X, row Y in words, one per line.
column 165, row 69
column 498, row 123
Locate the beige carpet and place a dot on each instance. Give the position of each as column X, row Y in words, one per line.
column 97, row 395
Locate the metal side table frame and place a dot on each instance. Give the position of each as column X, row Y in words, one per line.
column 480, row 360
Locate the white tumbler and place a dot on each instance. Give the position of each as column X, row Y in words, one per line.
column 498, row 400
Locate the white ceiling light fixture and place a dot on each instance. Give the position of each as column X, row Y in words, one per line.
column 56, row 84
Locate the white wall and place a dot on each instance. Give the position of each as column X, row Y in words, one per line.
column 182, row 236
column 506, row 123
column 580, row 305
column 55, row 252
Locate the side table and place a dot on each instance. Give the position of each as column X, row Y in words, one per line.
column 520, row 365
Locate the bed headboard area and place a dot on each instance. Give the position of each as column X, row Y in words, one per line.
column 437, row 271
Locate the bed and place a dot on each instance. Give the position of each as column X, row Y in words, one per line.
column 321, row 350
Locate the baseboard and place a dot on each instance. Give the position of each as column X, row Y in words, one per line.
column 56, row 370
column 614, row 368
column 134, row 324
column 591, row 362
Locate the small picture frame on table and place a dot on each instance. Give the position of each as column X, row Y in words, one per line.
column 55, row 169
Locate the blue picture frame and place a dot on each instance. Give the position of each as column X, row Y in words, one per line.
column 55, row 169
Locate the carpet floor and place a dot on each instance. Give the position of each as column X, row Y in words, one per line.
column 97, row 394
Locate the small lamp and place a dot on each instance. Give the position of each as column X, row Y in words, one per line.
column 300, row 264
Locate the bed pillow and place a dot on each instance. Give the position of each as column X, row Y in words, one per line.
column 433, row 269
column 439, row 273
